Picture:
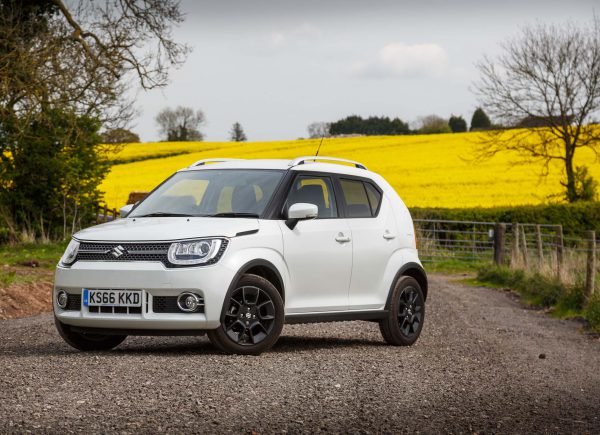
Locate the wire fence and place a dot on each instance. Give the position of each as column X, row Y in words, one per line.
column 539, row 247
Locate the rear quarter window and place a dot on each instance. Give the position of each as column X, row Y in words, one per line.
column 355, row 199
column 374, row 196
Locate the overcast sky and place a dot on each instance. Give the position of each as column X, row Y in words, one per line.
column 275, row 66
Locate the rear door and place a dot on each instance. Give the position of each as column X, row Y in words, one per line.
column 318, row 252
column 373, row 229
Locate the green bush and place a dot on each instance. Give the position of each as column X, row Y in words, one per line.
column 542, row 291
column 592, row 312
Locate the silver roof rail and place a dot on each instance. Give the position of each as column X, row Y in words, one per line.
column 205, row 161
column 301, row 160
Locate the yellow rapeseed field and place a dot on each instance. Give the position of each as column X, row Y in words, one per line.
column 426, row 170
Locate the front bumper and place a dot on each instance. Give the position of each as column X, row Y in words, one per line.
column 152, row 279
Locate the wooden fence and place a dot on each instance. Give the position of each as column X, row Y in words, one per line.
column 105, row 214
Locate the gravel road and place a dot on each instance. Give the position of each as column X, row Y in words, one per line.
column 478, row 367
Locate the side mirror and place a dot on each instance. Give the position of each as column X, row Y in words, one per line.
column 300, row 211
column 124, row 211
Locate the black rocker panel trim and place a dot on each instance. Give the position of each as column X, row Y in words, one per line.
column 336, row 317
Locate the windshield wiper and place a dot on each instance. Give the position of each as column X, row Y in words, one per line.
column 233, row 214
column 164, row 214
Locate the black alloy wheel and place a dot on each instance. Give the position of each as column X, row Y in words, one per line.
column 410, row 311
column 406, row 313
column 252, row 317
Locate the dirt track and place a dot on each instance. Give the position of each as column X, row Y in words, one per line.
column 476, row 368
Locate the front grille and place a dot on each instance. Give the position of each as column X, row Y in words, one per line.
column 168, row 304
column 115, row 310
column 128, row 251
column 73, row 302
column 89, row 251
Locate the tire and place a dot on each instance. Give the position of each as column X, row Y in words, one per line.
column 252, row 318
column 406, row 314
column 87, row 342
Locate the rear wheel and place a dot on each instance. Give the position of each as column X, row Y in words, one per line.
column 87, row 341
column 252, row 317
column 403, row 325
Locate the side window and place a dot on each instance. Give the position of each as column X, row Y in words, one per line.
column 356, row 199
column 314, row 190
column 374, row 198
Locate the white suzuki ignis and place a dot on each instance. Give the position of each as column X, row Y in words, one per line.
column 237, row 248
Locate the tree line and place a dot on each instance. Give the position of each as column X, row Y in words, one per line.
column 384, row 126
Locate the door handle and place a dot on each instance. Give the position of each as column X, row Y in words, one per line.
column 388, row 236
column 341, row 238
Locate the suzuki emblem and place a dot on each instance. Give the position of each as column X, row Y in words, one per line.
column 117, row 251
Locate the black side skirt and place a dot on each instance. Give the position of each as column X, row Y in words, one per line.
column 335, row 317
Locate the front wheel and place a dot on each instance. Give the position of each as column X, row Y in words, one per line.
column 87, row 341
column 404, row 322
column 252, row 318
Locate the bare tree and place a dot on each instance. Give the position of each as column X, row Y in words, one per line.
column 83, row 55
column 180, row 124
column 552, row 74
column 237, row 133
column 318, row 130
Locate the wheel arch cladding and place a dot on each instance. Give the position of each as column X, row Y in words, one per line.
column 266, row 270
column 414, row 270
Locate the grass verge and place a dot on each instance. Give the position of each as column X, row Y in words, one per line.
column 453, row 266
column 540, row 291
column 43, row 255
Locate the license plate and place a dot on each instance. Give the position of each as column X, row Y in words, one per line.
column 111, row 298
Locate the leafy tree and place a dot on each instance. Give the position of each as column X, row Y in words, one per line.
column 180, row 124
column 119, row 136
column 237, row 133
column 433, row 124
column 66, row 67
column 54, row 172
column 317, row 130
column 371, row 126
column 480, row 120
column 457, row 124
column 550, row 74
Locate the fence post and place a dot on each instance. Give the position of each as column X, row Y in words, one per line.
column 105, row 213
column 114, row 214
column 559, row 251
column 524, row 245
column 98, row 209
column 514, row 255
column 590, row 276
column 538, row 245
column 499, row 231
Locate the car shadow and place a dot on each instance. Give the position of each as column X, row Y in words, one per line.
column 185, row 346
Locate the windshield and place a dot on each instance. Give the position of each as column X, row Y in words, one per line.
column 212, row 192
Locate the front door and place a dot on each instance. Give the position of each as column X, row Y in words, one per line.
column 318, row 252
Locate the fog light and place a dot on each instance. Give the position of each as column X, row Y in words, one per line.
column 62, row 298
column 188, row 302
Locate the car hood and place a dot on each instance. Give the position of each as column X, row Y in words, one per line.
column 167, row 228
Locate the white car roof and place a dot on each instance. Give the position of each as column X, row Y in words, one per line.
column 298, row 164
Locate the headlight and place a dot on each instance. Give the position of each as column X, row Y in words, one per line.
column 70, row 254
column 194, row 252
